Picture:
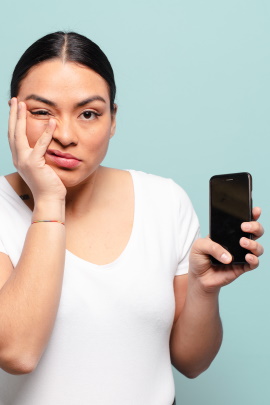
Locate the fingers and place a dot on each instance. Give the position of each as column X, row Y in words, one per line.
column 252, row 262
column 12, row 122
column 17, row 132
column 207, row 247
column 252, row 245
column 253, row 227
column 43, row 142
column 20, row 137
column 256, row 213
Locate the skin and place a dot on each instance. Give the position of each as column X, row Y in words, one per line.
column 84, row 132
column 65, row 85
column 196, row 296
column 89, row 197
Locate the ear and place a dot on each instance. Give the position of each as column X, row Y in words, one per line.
column 113, row 115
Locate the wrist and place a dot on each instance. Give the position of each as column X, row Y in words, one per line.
column 202, row 287
column 49, row 210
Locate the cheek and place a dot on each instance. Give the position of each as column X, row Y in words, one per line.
column 97, row 138
column 34, row 130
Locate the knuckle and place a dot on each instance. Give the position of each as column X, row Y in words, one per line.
column 254, row 247
column 214, row 247
column 259, row 228
column 43, row 140
column 198, row 244
column 255, row 226
column 20, row 115
column 21, row 163
column 256, row 262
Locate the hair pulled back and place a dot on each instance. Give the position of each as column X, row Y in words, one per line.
column 70, row 47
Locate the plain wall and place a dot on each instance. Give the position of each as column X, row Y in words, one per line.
column 193, row 95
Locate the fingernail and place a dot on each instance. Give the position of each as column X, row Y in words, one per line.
column 224, row 257
column 244, row 242
column 247, row 226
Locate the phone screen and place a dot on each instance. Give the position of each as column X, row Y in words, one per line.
column 230, row 205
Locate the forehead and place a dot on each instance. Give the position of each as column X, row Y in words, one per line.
column 55, row 79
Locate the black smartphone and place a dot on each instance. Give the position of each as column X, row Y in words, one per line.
column 230, row 205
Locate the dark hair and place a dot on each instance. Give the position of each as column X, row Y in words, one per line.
column 71, row 47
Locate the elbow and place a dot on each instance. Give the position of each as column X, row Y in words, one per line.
column 191, row 374
column 189, row 370
column 17, row 365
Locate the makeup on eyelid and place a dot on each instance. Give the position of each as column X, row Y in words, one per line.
column 88, row 115
column 78, row 100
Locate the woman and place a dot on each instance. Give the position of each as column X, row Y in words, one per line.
column 95, row 301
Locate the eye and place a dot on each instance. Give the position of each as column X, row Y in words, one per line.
column 88, row 115
column 43, row 114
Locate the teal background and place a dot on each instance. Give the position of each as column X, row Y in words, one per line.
column 193, row 95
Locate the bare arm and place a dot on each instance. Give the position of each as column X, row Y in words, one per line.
column 30, row 293
column 197, row 331
column 30, row 296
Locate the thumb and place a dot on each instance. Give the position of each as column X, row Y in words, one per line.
column 43, row 142
column 205, row 247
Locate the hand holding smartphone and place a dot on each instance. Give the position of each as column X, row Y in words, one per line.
column 230, row 205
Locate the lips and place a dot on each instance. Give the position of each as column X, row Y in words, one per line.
column 65, row 160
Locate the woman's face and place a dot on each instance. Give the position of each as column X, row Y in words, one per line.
column 78, row 99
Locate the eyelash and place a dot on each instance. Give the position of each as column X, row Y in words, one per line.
column 40, row 112
column 92, row 113
column 45, row 113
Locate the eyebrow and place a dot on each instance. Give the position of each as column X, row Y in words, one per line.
column 41, row 99
column 89, row 100
column 52, row 104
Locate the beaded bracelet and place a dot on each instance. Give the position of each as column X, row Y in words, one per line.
column 47, row 220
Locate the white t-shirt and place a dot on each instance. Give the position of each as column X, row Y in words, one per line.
column 110, row 342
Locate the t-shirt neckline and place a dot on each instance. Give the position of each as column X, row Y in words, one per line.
column 71, row 255
column 128, row 246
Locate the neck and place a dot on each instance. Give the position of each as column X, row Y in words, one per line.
column 80, row 197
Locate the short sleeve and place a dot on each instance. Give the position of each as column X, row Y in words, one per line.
column 2, row 248
column 188, row 229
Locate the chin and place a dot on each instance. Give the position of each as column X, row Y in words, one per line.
column 72, row 178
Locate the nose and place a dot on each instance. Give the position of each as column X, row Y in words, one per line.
column 65, row 133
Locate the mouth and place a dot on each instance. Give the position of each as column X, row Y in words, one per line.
column 65, row 160
column 61, row 154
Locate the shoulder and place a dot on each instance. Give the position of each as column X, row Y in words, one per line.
column 164, row 188
column 156, row 190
